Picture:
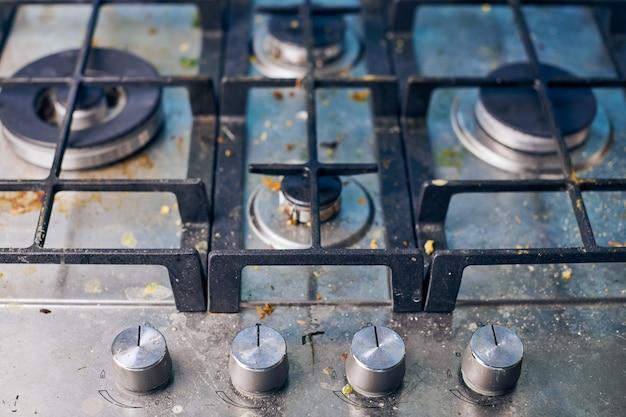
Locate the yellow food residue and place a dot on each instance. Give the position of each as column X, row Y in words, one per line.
column 429, row 247
column 346, row 390
column 373, row 244
column 360, row 96
column 566, row 275
column 128, row 240
column 264, row 310
column 271, row 184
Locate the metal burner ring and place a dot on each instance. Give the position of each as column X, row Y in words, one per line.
column 268, row 64
column 349, row 225
column 483, row 146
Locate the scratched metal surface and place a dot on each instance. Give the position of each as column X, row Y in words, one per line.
column 58, row 363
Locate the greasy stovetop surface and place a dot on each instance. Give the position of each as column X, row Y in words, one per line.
column 57, row 322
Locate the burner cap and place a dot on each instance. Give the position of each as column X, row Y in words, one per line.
column 88, row 96
column 514, row 116
column 327, row 30
column 108, row 124
column 295, row 188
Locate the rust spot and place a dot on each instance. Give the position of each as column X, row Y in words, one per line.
column 20, row 202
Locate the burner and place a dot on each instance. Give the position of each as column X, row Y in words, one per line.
column 295, row 198
column 282, row 218
column 108, row 124
column 280, row 51
column 507, row 127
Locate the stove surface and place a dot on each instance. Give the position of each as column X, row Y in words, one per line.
column 58, row 320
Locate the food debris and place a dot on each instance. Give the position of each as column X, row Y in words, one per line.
column 263, row 136
column 294, row 24
column 360, row 96
column 329, row 145
column 278, row 95
column 288, row 123
column 361, row 201
column 93, row 286
column 228, row 153
column 264, row 310
column 21, row 202
column 328, row 370
column 449, row 157
column 566, row 275
column 45, row 311
column 344, row 356
column 144, row 161
column 128, row 240
column 202, row 246
column 429, row 247
column 386, row 163
column 301, row 322
column 373, row 244
column 289, row 147
column 188, row 63
column 184, row 47
column 616, row 244
column 302, row 115
column 271, row 184
column 318, row 296
column 439, row 183
column 346, row 390
column 165, row 210
column 486, row 8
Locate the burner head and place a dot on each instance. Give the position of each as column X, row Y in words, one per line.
column 108, row 124
column 295, row 198
column 280, row 49
column 514, row 116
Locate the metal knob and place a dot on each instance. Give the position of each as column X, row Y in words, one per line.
column 141, row 361
column 258, row 361
column 492, row 361
column 376, row 364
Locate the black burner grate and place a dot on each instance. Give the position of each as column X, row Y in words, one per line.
column 432, row 201
column 227, row 258
column 186, row 267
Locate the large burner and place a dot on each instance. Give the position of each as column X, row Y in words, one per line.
column 507, row 127
column 280, row 49
column 108, row 124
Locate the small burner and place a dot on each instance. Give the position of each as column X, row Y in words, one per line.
column 282, row 218
column 295, row 198
column 108, row 124
column 507, row 128
column 514, row 116
column 280, row 50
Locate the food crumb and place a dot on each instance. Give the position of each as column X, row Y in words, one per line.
column 361, row 201
column 439, row 183
column 616, row 244
column 289, row 147
column 429, row 247
column 128, row 240
column 165, row 209
column 264, row 310
column 271, row 184
column 328, row 370
column 360, row 96
column 373, row 244
column 346, row 390
column 301, row 322
column 278, row 95
column 45, row 311
column 486, row 8
column 566, row 275
column 344, row 356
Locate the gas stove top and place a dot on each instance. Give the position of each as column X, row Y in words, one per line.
column 355, row 208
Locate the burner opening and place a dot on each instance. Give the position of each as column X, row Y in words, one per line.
column 94, row 105
column 295, row 200
column 515, row 118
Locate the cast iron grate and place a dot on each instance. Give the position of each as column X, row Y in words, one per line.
column 186, row 267
column 433, row 197
column 227, row 257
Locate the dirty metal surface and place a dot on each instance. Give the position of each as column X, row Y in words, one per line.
column 57, row 322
